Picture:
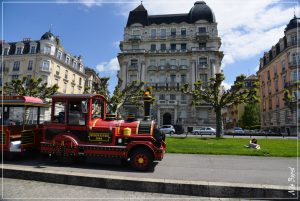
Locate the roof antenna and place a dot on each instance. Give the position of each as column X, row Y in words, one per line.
column 294, row 11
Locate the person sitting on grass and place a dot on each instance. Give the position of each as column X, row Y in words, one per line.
column 253, row 144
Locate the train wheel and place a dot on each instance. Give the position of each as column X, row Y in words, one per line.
column 64, row 158
column 141, row 159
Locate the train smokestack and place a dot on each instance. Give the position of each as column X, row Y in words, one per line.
column 147, row 104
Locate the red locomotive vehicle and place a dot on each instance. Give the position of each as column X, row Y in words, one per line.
column 80, row 127
column 20, row 124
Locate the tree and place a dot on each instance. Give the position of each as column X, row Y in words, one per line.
column 132, row 94
column 211, row 93
column 290, row 99
column 251, row 116
column 29, row 87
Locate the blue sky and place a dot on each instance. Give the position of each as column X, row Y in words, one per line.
column 93, row 28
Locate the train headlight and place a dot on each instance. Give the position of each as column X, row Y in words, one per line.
column 15, row 146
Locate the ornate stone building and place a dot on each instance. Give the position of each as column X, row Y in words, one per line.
column 45, row 58
column 278, row 71
column 167, row 51
column 92, row 80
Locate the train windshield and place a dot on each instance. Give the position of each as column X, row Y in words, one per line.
column 97, row 109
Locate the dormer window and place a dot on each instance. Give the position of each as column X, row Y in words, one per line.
column 59, row 54
column 163, row 33
column 74, row 64
column 47, row 50
column 68, row 60
column 202, row 30
column 32, row 49
column 153, row 33
column 6, row 51
column 183, row 32
column 19, row 50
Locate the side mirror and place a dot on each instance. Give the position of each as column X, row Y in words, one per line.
column 84, row 107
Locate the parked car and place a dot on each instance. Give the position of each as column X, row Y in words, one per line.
column 167, row 129
column 205, row 130
column 238, row 130
column 178, row 129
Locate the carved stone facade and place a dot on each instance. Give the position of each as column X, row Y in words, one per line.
column 168, row 51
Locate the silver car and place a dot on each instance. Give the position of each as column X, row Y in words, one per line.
column 167, row 129
column 205, row 130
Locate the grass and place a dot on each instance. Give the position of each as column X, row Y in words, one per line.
column 232, row 146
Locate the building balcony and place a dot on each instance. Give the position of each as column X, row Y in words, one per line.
column 201, row 36
column 171, row 67
column 294, row 64
column 135, row 38
column 292, row 43
column 291, row 83
column 167, row 102
column 172, row 102
column 183, row 102
column 152, row 68
column 133, row 67
column 162, row 67
column 202, row 66
column 183, row 67
column 134, row 51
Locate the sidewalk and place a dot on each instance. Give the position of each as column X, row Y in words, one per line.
column 202, row 175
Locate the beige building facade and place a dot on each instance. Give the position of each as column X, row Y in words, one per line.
column 92, row 80
column 279, row 71
column 168, row 51
column 45, row 58
column 232, row 114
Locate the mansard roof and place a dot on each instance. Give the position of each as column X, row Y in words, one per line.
column 200, row 11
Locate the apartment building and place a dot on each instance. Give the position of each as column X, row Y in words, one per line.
column 278, row 71
column 166, row 52
column 45, row 58
column 232, row 114
column 92, row 80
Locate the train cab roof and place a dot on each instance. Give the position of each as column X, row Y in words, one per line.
column 22, row 101
column 77, row 96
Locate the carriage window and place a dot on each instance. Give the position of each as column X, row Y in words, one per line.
column 97, row 108
column 19, row 115
column 31, row 116
column 77, row 116
column 59, row 112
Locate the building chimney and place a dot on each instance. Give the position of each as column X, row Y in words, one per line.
column 26, row 39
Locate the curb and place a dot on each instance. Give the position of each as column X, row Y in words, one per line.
column 192, row 188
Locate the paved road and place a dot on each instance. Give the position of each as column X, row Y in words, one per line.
column 213, row 168
column 14, row 189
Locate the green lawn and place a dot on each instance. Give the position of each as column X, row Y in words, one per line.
column 232, row 146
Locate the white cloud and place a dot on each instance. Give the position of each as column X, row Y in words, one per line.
column 226, row 85
column 227, row 59
column 90, row 3
column 112, row 66
column 247, row 28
